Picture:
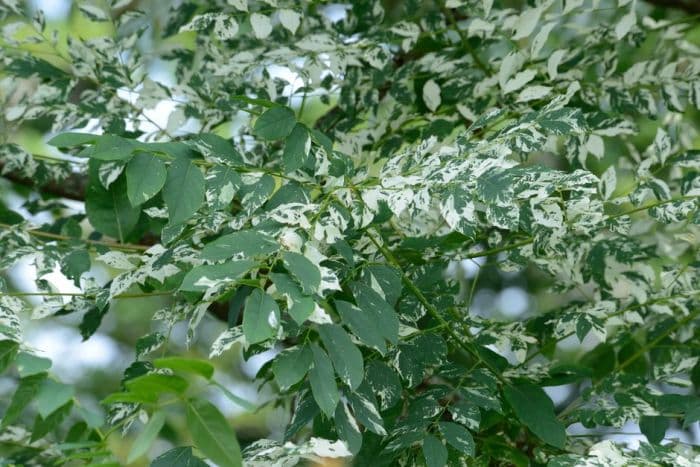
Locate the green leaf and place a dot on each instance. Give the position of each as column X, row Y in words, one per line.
column 201, row 278
column 147, row 436
column 434, row 452
column 260, row 318
column 110, row 148
column 212, row 433
column 42, row 425
column 93, row 419
column 8, row 351
column 291, row 365
column 306, row 272
column 74, row 264
column 149, row 343
column 28, row 364
column 52, row 395
column 183, row 192
column 178, row 457
column 275, row 123
column 186, row 365
column 535, row 409
column 361, row 325
column 244, row 243
column 131, row 397
column 385, row 383
column 369, row 301
column 322, row 381
column 367, row 413
column 296, row 148
column 419, row 354
column 145, row 177
column 466, row 414
column 26, row 390
column 302, row 306
column 212, row 145
column 654, row 427
column 68, row 140
column 234, row 398
column 346, row 357
column 458, row 437
column 347, row 427
column 110, row 212
column 91, row 321
column 388, row 280
column 222, row 184
column 155, row 383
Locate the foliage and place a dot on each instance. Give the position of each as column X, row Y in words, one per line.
column 555, row 142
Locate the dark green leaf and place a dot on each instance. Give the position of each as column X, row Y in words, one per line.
column 346, row 357
column 74, row 264
column 178, row 457
column 183, row 192
column 222, row 184
column 467, row 414
column 290, row 366
column 201, row 278
column 244, row 243
column 110, row 148
column 385, row 383
column 8, row 351
column 535, row 409
column 296, row 148
column 388, row 279
column 347, row 428
column 458, row 437
column 369, row 301
column 43, row 425
column 302, row 306
column 26, row 390
column 322, row 381
column 654, row 427
column 260, row 318
column 214, row 146
column 367, row 413
column 306, row 272
column 361, row 325
column 434, row 452
column 91, row 321
column 145, row 177
column 275, row 123
column 212, row 433
column 110, row 212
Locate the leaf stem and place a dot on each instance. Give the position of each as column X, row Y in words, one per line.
column 413, row 288
column 643, row 350
column 115, row 245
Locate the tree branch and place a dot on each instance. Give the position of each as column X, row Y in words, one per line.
column 73, row 187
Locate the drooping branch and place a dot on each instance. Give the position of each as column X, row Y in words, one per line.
column 73, row 187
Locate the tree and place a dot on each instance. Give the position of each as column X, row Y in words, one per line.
column 343, row 188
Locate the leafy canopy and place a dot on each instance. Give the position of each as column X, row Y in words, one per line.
column 314, row 211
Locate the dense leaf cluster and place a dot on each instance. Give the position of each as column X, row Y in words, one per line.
column 320, row 207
